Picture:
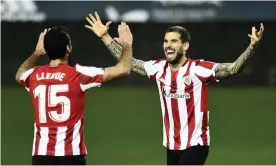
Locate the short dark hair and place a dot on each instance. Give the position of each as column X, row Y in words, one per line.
column 184, row 33
column 56, row 41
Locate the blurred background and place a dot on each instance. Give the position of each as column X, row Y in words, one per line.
column 123, row 118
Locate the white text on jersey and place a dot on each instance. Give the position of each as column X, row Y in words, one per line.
column 57, row 76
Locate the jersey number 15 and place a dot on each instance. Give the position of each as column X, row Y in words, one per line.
column 53, row 101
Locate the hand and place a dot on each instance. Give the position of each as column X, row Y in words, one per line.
column 125, row 36
column 256, row 36
column 39, row 50
column 96, row 25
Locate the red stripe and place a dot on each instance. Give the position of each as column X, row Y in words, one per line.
column 190, row 110
column 204, row 109
column 37, row 140
column 68, row 141
column 52, row 141
column 82, row 142
column 175, row 111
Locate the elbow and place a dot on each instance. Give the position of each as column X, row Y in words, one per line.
column 17, row 78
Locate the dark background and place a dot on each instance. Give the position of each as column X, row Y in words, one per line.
column 123, row 118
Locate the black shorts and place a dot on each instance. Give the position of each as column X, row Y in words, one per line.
column 195, row 155
column 59, row 160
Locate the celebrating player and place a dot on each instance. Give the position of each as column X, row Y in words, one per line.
column 182, row 83
column 58, row 95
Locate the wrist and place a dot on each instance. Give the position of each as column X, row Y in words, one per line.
column 37, row 54
column 105, row 36
column 252, row 46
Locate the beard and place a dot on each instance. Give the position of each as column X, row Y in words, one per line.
column 177, row 58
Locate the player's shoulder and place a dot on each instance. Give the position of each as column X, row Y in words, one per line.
column 89, row 70
column 200, row 62
column 157, row 62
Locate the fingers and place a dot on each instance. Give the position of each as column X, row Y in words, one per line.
column 98, row 17
column 116, row 39
column 260, row 33
column 93, row 18
column 90, row 21
column 108, row 23
column 262, row 27
column 88, row 27
column 253, row 30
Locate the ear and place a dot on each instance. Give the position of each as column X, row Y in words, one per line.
column 186, row 46
column 68, row 49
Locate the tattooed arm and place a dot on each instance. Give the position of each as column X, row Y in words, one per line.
column 116, row 51
column 226, row 70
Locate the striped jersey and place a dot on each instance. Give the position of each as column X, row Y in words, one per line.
column 58, row 97
column 184, row 101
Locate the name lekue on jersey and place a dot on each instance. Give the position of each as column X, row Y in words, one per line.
column 47, row 76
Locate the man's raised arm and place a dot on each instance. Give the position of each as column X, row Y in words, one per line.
column 225, row 70
column 114, row 48
column 32, row 60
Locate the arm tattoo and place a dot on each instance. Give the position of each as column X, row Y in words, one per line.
column 138, row 67
column 116, row 51
column 225, row 70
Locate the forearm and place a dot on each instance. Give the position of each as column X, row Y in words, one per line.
column 114, row 48
column 26, row 65
column 225, row 70
column 125, row 61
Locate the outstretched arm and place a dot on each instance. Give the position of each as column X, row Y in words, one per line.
column 115, row 49
column 226, row 70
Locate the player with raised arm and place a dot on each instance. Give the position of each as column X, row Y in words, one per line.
column 58, row 95
column 182, row 83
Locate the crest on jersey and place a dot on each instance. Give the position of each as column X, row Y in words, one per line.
column 187, row 80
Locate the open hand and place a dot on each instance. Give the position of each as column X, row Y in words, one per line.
column 39, row 50
column 96, row 25
column 256, row 36
column 125, row 35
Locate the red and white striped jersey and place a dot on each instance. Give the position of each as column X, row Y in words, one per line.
column 184, row 101
column 58, row 96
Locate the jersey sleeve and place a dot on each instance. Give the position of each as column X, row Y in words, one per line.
column 152, row 67
column 205, row 71
column 25, row 79
column 89, row 76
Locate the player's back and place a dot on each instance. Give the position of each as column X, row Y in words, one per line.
column 58, row 96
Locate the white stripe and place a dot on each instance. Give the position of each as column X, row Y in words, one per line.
column 44, row 133
column 34, row 140
column 76, row 138
column 163, row 113
column 197, row 90
column 203, row 72
column 84, row 87
column 182, row 107
column 89, row 70
column 60, row 144
column 26, row 74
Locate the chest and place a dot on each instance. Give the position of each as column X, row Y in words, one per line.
column 179, row 81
